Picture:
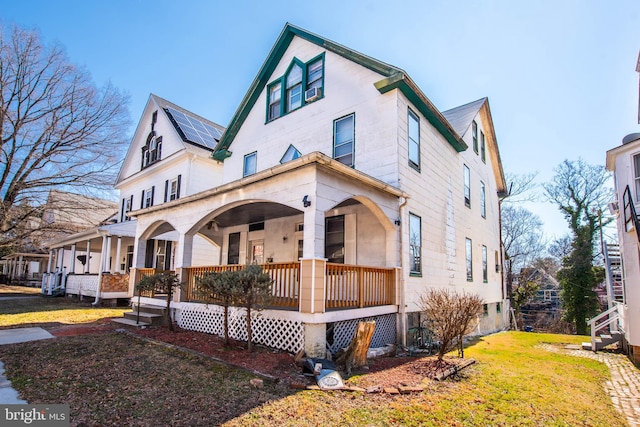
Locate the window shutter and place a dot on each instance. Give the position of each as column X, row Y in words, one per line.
column 122, row 211
column 167, row 256
column 178, row 191
column 166, row 191
column 142, row 200
column 153, row 192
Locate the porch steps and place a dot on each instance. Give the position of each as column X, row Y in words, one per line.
column 149, row 316
column 604, row 340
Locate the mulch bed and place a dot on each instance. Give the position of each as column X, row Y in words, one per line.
column 382, row 373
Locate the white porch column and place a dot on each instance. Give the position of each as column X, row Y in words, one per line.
column 20, row 266
column 72, row 266
column 118, row 254
column 184, row 253
column 313, row 246
column 103, row 251
column 60, row 258
column 106, row 254
column 50, row 261
column 88, row 257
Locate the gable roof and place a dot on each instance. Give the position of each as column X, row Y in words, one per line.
column 462, row 116
column 187, row 140
column 394, row 78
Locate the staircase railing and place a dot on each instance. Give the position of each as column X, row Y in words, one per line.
column 630, row 215
column 614, row 273
column 601, row 321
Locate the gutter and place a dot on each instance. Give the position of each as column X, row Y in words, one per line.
column 403, row 305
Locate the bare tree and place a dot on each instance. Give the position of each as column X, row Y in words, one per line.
column 57, row 130
column 522, row 188
column 581, row 192
column 450, row 316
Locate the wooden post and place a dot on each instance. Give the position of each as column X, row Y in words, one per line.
column 356, row 354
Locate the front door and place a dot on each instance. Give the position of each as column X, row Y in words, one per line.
column 256, row 252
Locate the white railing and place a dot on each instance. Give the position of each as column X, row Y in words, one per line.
column 83, row 284
column 606, row 318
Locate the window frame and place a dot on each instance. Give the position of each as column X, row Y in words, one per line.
column 467, row 186
column 330, row 236
column 468, row 256
column 247, row 157
column 483, row 148
column 148, row 197
column 483, row 200
column 413, row 117
column 173, row 190
column 474, row 135
column 292, row 153
column 351, row 116
column 415, row 248
column 485, row 267
column 283, row 108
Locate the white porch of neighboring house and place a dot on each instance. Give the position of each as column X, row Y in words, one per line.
column 23, row 268
column 93, row 263
column 329, row 235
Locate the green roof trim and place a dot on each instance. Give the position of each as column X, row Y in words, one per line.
column 403, row 83
column 397, row 79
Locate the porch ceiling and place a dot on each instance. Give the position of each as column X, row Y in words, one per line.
column 254, row 212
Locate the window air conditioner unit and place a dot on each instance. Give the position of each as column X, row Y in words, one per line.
column 312, row 94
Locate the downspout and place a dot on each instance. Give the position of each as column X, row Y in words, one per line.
column 403, row 305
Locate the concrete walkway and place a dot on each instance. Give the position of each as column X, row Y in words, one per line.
column 8, row 395
column 624, row 387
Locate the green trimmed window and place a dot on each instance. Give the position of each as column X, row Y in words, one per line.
column 302, row 84
column 250, row 164
column 474, row 133
column 343, row 139
column 483, row 148
column 415, row 244
column 413, row 126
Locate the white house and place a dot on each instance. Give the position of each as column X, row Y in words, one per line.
column 624, row 264
column 340, row 177
column 169, row 158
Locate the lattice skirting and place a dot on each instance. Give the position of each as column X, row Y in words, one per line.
column 385, row 332
column 283, row 334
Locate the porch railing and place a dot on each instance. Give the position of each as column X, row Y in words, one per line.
column 144, row 272
column 352, row 286
column 286, row 282
column 347, row 286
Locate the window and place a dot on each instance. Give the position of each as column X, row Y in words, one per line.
column 233, row 254
column 291, row 154
column 469, row 259
column 547, row 295
column 152, row 150
column 497, row 262
column 172, row 189
column 415, row 244
column 414, row 140
column 147, row 197
column 485, row 271
column 485, row 310
column 474, row 134
column 467, row 186
column 126, row 208
column 483, row 204
column 302, row 84
column 294, row 88
column 483, row 148
column 498, row 307
column 334, row 239
column 343, row 139
column 275, row 95
column 636, row 169
column 250, row 162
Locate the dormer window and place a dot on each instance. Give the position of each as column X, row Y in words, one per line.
column 301, row 84
column 152, row 151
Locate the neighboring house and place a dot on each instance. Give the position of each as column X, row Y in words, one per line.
column 63, row 214
column 543, row 309
column 168, row 159
column 340, row 177
column 622, row 262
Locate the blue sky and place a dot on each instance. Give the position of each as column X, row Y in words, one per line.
column 560, row 75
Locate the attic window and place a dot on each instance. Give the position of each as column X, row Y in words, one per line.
column 301, row 84
column 291, row 154
column 152, row 150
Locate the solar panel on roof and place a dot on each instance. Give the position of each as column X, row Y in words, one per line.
column 194, row 129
